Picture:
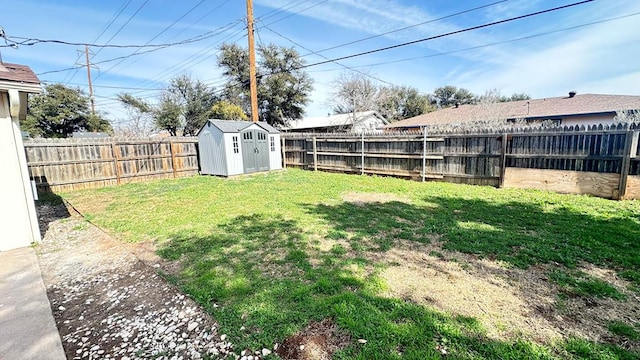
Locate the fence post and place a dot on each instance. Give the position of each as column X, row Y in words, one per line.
column 173, row 159
column 503, row 159
column 362, row 154
column 115, row 151
column 315, row 155
column 283, row 142
column 630, row 149
column 424, row 154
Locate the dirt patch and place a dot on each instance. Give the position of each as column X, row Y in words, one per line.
column 361, row 198
column 465, row 288
column 108, row 304
column 318, row 341
column 509, row 303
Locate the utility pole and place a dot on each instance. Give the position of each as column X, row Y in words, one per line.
column 93, row 104
column 253, row 84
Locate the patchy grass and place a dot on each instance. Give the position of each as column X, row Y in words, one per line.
column 267, row 254
column 577, row 283
column 625, row 330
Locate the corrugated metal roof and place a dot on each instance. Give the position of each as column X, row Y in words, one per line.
column 526, row 109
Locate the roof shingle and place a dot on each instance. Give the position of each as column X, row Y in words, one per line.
column 18, row 73
column 526, row 109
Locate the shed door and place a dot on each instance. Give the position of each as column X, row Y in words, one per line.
column 255, row 151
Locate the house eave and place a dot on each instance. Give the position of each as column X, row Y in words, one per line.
column 30, row 88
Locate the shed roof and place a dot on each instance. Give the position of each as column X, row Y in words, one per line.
column 585, row 104
column 235, row 126
column 337, row 120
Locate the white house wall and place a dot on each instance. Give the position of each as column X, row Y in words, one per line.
column 588, row 120
column 18, row 219
column 234, row 160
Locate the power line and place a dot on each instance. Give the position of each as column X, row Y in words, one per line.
column 281, row 9
column 445, row 34
column 104, row 29
column 123, row 25
column 297, row 12
column 156, row 36
column 405, row 28
column 490, row 44
column 210, row 35
column 335, row 62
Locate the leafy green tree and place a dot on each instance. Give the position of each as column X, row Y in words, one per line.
column 61, row 110
column 194, row 98
column 168, row 115
column 450, row 95
column 225, row 110
column 515, row 97
column 283, row 88
column 403, row 102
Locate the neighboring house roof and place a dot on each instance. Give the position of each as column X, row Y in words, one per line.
column 340, row 120
column 88, row 135
column 535, row 109
column 235, row 126
column 20, row 77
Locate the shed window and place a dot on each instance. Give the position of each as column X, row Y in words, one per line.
column 273, row 143
column 236, row 149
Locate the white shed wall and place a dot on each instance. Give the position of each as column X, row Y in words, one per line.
column 275, row 153
column 234, row 159
column 18, row 219
column 212, row 154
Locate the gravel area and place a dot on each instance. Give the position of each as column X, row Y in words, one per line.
column 110, row 305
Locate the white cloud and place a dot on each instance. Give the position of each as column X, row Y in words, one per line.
column 605, row 51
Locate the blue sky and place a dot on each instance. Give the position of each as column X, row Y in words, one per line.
column 577, row 48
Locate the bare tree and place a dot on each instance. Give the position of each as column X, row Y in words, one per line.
column 140, row 121
column 356, row 92
column 627, row 116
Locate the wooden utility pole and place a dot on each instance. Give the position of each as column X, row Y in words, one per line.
column 253, row 84
column 93, row 104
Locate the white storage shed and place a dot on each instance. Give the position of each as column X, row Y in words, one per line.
column 229, row 147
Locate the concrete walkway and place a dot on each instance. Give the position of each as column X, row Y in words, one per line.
column 27, row 327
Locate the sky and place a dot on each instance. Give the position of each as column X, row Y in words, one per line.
column 589, row 48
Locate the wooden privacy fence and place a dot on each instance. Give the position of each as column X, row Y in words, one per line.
column 599, row 160
column 69, row 164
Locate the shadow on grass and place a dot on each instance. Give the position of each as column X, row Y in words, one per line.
column 50, row 207
column 517, row 233
column 262, row 280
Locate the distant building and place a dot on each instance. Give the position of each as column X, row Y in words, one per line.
column 88, row 135
column 587, row 109
column 364, row 121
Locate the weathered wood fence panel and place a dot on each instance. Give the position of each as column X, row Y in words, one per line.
column 69, row 164
column 600, row 160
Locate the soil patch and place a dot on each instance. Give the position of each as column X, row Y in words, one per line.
column 509, row 302
column 318, row 341
column 108, row 304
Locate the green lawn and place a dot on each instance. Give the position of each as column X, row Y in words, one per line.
column 269, row 253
